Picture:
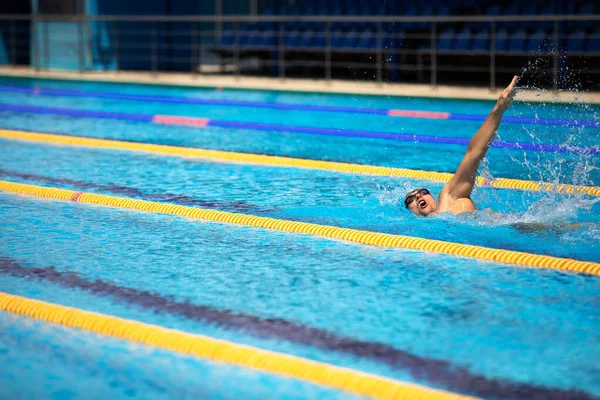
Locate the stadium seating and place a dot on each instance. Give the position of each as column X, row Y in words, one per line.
column 352, row 38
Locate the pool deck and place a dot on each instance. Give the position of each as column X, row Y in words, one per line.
column 301, row 85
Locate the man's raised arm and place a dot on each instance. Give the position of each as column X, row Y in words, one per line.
column 461, row 185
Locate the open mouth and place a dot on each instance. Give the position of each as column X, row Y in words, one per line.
column 422, row 204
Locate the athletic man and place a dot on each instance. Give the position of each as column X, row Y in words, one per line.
column 456, row 194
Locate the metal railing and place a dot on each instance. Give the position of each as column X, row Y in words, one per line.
column 384, row 49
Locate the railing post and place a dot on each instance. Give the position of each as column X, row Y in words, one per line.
column 80, row 45
column 88, row 50
column 379, row 57
column 281, row 52
column 117, row 41
column 13, row 43
column 555, row 64
column 493, row 56
column 433, row 56
column 199, row 36
column 236, row 50
column 328, row 54
column 46, row 45
column 36, row 43
column 154, row 49
column 193, row 63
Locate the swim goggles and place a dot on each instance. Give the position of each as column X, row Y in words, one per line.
column 411, row 197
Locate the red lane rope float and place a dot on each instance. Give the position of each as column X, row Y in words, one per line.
column 418, row 114
column 176, row 120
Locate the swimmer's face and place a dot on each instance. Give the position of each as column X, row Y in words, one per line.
column 421, row 202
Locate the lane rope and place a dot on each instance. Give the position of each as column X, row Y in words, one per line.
column 345, row 379
column 295, row 107
column 441, row 373
column 259, row 159
column 333, row 232
column 197, row 122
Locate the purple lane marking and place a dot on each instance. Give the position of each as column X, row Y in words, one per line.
column 524, row 120
column 280, row 106
column 161, row 197
column 72, row 112
column 306, row 130
column 439, row 372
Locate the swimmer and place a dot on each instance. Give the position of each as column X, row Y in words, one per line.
column 455, row 196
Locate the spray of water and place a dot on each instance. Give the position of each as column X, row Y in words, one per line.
column 557, row 168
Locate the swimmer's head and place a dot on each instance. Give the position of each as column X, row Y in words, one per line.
column 421, row 202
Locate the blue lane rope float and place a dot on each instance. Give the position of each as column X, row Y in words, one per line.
column 296, row 107
column 204, row 122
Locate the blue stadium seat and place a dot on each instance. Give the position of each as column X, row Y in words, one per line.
column 501, row 40
column 292, row 39
column 463, row 40
column 445, row 41
column 547, row 9
column 306, row 39
column 337, row 38
column 539, row 41
column 320, row 40
column 493, row 9
column 442, row 11
column 529, row 9
column 481, row 41
column 516, row 41
column 393, row 40
column 512, row 9
column 367, row 40
column 380, row 10
column 269, row 38
column 586, row 8
column 593, row 41
column 576, row 41
column 426, row 11
column 247, row 37
column 227, row 38
column 410, row 11
column 350, row 40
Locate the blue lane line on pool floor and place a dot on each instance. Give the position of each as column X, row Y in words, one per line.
column 437, row 371
column 202, row 122
column 297, row 107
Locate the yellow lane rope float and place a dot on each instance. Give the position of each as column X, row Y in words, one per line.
column 345, row 379
column 258, row 159
column 352, row 235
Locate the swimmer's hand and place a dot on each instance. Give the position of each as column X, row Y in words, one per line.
column 506, row 98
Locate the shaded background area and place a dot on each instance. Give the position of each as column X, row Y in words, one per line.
column 429, row 48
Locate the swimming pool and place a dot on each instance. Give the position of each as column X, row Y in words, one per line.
column 458, row 324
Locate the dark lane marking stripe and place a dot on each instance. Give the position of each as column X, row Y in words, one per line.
column 204, row 122
column 440, row 372
column 117, row 189
column 295, row 107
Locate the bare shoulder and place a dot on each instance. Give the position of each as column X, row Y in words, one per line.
column 446, row 202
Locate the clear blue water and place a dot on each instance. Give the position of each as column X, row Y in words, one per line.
column 496, row 321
